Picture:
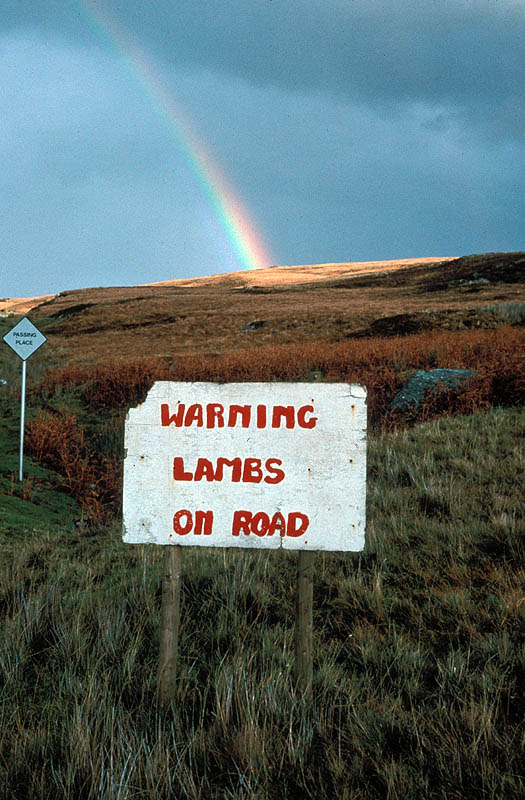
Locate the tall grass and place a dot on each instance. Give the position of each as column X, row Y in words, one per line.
column 419, row 649
column 512, row 313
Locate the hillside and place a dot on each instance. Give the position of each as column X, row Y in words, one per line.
column 327, row 302
column 418, row 688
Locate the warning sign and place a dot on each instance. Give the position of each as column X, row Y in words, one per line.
column 266, row 465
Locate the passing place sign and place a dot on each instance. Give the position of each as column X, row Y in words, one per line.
column 265, row 465
column 24, row 338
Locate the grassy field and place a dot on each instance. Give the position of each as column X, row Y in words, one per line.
column 419, row 647
column 419, row 641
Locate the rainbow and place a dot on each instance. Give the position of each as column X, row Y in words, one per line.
column 233, row 216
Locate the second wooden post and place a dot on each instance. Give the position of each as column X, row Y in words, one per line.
column 304, row 621
column 169, row 625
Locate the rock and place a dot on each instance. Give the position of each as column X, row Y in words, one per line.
column 453, row 319
column 421, row 382
column 252, row 326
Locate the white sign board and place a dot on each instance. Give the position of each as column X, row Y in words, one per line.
column 24, row 338
column 267, row 465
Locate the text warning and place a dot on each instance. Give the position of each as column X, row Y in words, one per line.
column 266, row 465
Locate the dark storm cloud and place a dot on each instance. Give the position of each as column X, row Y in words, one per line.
column 352, row 129
column 464, row 53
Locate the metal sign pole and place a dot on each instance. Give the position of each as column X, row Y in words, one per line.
column 24, row 339
column 22, row 418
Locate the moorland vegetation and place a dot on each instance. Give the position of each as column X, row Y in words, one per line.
column 419, row 667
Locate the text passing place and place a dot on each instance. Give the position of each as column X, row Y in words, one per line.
column 24, row 338
column 264, row 465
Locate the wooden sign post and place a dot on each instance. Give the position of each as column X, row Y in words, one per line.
column 304, row 611
column 169, row 625
column 250, row 465
column 304, row 608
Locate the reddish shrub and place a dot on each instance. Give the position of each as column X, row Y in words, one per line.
column 58, row 441
column 107, row 386
column 382, row 365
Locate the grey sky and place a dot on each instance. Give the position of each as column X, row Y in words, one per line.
column 351, row 129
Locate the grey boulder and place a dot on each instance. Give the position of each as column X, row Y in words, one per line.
column 421, row 383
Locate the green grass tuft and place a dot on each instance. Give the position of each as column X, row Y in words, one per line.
column 38, row 502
